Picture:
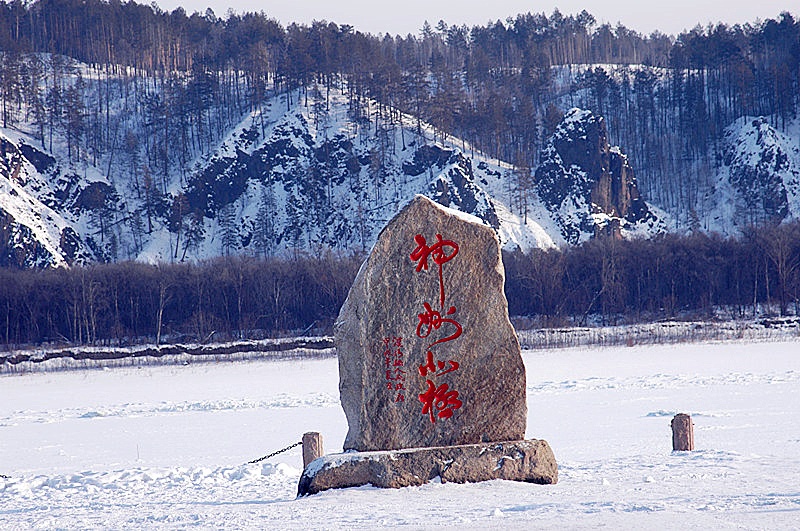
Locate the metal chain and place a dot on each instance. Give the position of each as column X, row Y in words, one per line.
column 275, row 453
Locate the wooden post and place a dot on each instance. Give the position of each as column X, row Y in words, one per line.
column 312, row 447
column 682, row 433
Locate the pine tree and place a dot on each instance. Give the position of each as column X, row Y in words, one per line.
column 229, row 233
column 154, row 201
column 9, row 86
column 74, row 117
column 293, row 231
column 523, row 184
column 264, row 232
column 194, row 233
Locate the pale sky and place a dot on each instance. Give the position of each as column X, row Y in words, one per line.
column 407, row 16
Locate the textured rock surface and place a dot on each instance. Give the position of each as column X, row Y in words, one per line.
column 385, row 331
column 531, row 461
column 763, row 170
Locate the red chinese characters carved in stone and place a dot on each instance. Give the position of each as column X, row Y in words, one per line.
column 437, row 251
column 439, row 401
column 432, row 320
column 431, row 367
column 394, row 364
column 399, row 374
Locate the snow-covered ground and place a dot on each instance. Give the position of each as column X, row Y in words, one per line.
column 166, row 446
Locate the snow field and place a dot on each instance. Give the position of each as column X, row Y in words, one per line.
column 167, row 446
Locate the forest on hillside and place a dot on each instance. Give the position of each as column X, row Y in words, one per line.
column 158, row 88
column 601, row 281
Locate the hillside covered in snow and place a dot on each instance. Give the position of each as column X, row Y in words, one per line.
column 309, row 176
column 286, row 178
column 225, row 136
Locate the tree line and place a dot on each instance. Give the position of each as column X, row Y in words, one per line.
column 130, row 302
column 239, row 297
column 669, row 276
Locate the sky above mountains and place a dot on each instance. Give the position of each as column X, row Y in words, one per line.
column 408, row 16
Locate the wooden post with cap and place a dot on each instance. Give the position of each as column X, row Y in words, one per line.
column 312, row 447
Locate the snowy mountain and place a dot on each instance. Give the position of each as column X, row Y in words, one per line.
column 309, row 179
column 285, row 179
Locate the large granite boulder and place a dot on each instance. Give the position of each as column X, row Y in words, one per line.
column 427, row 354
column 530, row 461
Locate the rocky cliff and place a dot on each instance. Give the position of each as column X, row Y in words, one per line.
column 588, row 185
column 758, row 180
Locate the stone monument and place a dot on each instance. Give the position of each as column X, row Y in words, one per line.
column 430, row 373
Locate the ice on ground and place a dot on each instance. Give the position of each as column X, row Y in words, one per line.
column 168, row 446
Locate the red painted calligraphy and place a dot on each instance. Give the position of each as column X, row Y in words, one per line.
column 394, row 366
column 439, row 401
column 438, row 252
column 399, row 374
column 438, row 366
column 432, row 320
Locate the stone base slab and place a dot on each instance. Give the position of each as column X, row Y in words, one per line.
column 531, row 461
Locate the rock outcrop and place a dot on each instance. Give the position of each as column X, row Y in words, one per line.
column 455, row 186
column 588, row 186
column 762, row 167
column 33, row 233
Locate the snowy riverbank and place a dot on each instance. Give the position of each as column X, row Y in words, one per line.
column 659, row 333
